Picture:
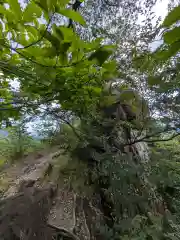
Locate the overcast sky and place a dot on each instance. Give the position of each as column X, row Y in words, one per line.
column 161, row 8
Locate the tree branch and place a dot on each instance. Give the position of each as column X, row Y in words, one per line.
column 40, row 39
column 65, row 121
column 145, row 138
column 163, row 140
column 40, row 64
column 111, row 4
column 75, row 7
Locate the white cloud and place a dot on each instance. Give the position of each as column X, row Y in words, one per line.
column 160, row 9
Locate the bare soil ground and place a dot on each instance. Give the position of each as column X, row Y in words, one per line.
column 31, row 167
column 66, row 213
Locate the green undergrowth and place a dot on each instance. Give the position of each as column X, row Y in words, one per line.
column 17, row 145
column 69, row 172
column 66, row 169
column 165, row 173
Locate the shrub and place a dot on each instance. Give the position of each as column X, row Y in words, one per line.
column 17, row 144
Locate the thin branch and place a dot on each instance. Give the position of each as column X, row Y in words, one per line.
column 111, row 4
column 145, row 138
column 23, row 104
column 42, row 65
column 67, row 122
column 40, row 39
column 163, row 140
column 10, row 109
column 75, row 7
column 16, row 70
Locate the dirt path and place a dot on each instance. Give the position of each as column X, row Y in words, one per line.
column 32, row 167
column 67, row 212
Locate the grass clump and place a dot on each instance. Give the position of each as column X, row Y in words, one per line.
column 16, row 145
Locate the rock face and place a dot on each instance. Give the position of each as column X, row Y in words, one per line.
column 63, row 212
column 119, row 159
column 43, row 212
column 109, row 154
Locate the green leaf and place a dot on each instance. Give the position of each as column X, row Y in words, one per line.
column 36, row 52
column 49, row 52
column 93, row 45
column 31, row 11
column 172, row 36
column 153, row 80
column 9, row 16
column 76, row 56
column 52, row 39
column 127, row 95
column 22, row 39
column 75, row 16
column 47, row 61
column 172, row 17
column 51, row 4
column 63, row 58
column 172, row 50
column 65, row 46
column 2, row 10
column 57, row 32
column 54, row 5
column 111, row 66
column 16, row 9
column 94, row 90
column 32, row 31
column 42, row 4
column 1, row 30
column 102, row 54
column 64, row 33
